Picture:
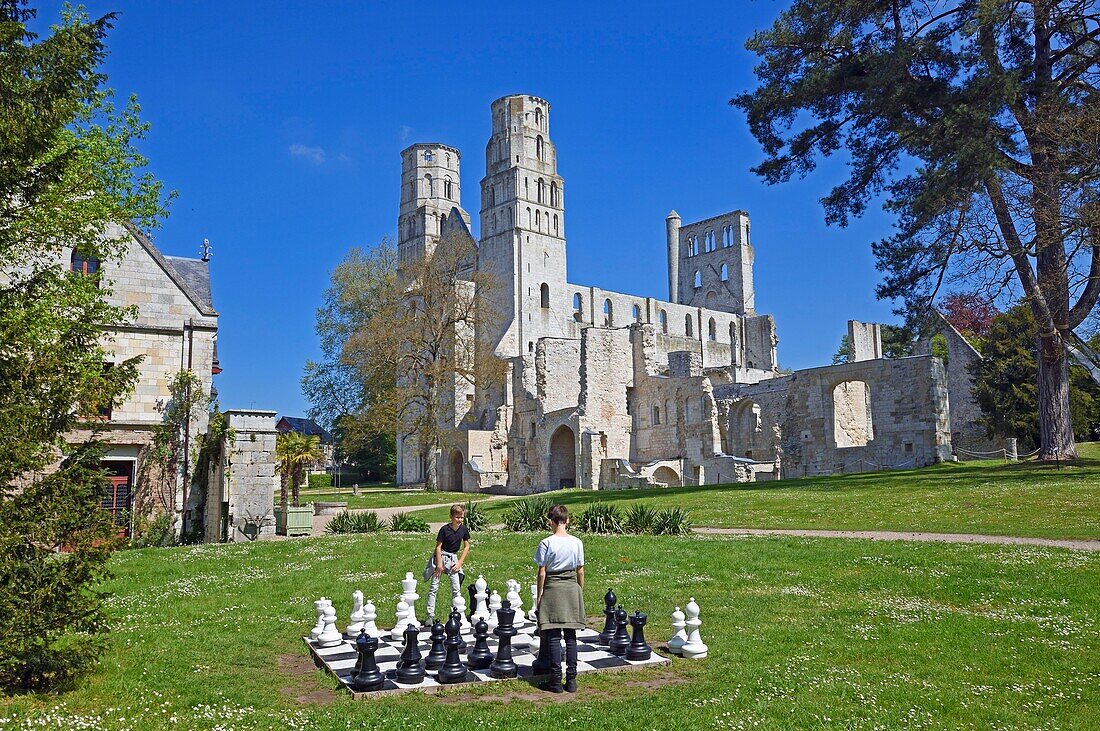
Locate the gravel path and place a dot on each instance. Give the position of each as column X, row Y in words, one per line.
column 888, row 535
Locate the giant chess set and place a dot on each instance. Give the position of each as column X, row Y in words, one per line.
column 496, row 640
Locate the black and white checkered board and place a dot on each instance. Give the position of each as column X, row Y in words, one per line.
column 340, row 659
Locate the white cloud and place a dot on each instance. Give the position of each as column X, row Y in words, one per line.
column 315, row 155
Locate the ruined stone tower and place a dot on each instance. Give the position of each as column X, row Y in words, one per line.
column 430, row 190
column 710, row 263
column 523, row 225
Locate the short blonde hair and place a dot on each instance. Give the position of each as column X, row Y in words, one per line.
column 458, row 509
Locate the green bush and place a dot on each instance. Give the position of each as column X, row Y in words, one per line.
column 639, row 519
column 671, row 522
column 600, row 518
column 406, row 523
column 153, row 533
column 321, row 481
column 529, row 514
column 476, row 517
column 345, row 522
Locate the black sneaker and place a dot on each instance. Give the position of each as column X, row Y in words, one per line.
column 555, row 686
column 571, row 684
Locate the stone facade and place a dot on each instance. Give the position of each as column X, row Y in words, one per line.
column 245, row 475
column 607, row 389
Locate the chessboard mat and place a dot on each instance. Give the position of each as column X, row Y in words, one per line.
column 339, row 660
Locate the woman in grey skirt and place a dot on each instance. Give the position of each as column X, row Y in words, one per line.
column 560, row 599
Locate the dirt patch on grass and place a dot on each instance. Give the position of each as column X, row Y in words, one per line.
column 634, row 686
column 298, row 668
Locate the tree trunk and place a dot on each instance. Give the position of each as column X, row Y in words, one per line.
column 1055, row 421
column 283, row 491
column 296, row 485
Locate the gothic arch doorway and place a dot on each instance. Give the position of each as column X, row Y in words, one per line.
column 563, row 458
column 456, row 471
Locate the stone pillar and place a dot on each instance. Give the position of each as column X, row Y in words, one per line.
column 250, row 482
column 865, row 340
column 672, row 232
column 1010, row 450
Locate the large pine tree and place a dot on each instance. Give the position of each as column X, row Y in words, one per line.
column 979, row 121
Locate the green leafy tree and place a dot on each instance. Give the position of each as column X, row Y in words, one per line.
column 1005, row 386
column 979, row 122
column 294, row 453
column 68, row 169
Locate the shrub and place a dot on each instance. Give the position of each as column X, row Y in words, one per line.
column 320, row 481
column 529, row 514
column 345, row 522
column 156, row 532
column 405, row 523
column 671, row 522
column 476, row 517
column 639, row 519
column 601, row 518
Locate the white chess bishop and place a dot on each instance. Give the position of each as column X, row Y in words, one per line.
column 694, row 647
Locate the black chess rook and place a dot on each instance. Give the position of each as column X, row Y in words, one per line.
column 638, row 649
column 367, row 676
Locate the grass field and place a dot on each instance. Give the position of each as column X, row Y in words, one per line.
column 1022, row 499
column 803, row 633
column 387, row 497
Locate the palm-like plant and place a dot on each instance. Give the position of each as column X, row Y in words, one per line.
column 294, row 453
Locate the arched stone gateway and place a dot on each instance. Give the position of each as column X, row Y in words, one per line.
column 456, row 471
column 666, row 476
column 563, row 458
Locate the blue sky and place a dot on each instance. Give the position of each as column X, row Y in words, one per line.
column 280, row 126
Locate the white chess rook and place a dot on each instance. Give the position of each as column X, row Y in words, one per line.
column 357, row 618
column 694, row 647
column 679, row 637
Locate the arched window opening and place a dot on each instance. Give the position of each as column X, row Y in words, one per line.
column 528, row 218
column 442, row 221
column 495, row 223
column 698, row 280
column 539, row 186
column 636, row 313
column 577, row 301
column 538, row 117
column 448, row 189
column 656, row 415
column 526, row 189
column 555, row 224
column 538, row 147
column 492, row 196
column 663, row 317
column 852, row 423
column 709, row 241
column 530, row 346
column 687, row 326
column 608, row 313
column 712, row 330
column 428, row 187
column 538, row 219
column 695, row 246
column 83, row 265
column 510, row 217
column 544, row 292
column 725, row 272
column 554, row 194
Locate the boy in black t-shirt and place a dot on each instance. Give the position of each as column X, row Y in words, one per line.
column 446, row 558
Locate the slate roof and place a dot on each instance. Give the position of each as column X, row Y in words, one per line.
column 299, row 424
column 192, row 276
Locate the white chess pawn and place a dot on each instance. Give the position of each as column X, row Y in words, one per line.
column 515, row 603
column 494, row 605
column 370, row 613
column 331, row 636
column 319, row 627
column 531, row 613
column 459, row 603
column 398, row 631
column 680, row 636
column 357, row 617
column 481, row 610
column 408, row 593
column 694, row 647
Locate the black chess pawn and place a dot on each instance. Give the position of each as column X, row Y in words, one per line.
column 438, row 654
column 480, row 657
column 609, row 600
column 638, row 649
column 410, row 668
column 472, row 606
column 367, row 676
column 503, row 666
column 621, row 639
column 453, row 670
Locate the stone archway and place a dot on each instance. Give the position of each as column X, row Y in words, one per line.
column 456, row 471
column 563, row 458
column 666, row 476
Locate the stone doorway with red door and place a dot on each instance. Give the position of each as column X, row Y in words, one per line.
column 119, row 497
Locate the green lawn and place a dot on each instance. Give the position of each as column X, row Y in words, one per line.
column 803, row 633
column 1023, row 499
column 389, row 497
